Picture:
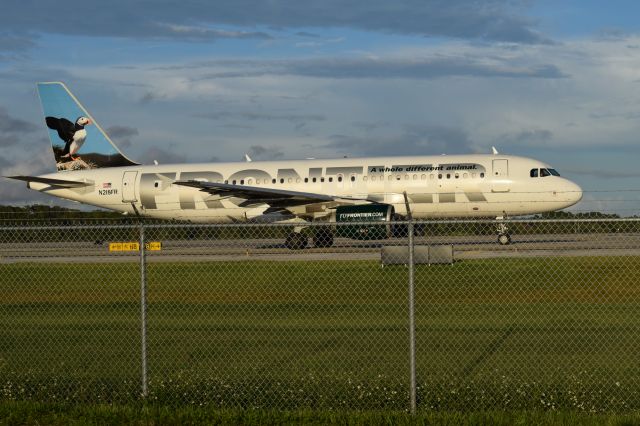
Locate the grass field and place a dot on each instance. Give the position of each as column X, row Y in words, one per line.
column 29, row 413
column 501, row 334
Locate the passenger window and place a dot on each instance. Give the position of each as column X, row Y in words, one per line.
column 339, row 178
column 365, row 178
column 390, row 177
column 321, row 179
column 448, row 175
column 306, row 180
column 473, row 175
column 373, row 177
column 281, row 180
column 457, row 176
column 273, row 181
column 398, row 177
column 423, row 177
column 314, row 180
column 415, row 177
column 156, row 184
column 297, row 180
column 439, row 176
column 533, row 173
column 330, row 179
column 544, row 173
column 353, row 178
column 482, row 175
column 241, row 181
column 250, row 181
column 234, row 182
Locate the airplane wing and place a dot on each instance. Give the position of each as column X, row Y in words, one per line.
column 273, row 197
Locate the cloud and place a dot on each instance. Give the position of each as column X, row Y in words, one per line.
column 259, row 152
column 122, row 135
column 16, row 42
column 203, row 33
column 435, row 66
column 415, row 140
column 532, row 137
column 150, row 96
column 299, row 120
column 500, row 20
column 604, row 174
column 162, row 156
column 9, row 124
column 12, row 129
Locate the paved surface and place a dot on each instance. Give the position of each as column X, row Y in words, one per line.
column 464, row 247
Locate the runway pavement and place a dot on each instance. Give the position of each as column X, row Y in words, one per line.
column 464, row 247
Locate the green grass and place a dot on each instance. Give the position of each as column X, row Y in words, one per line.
column 29, row 413
column 497, row 334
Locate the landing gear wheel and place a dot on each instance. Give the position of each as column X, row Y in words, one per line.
column 322, row 238
column 296, row 241
column 504, row 239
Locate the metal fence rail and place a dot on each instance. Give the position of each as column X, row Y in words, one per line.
column 438, row 316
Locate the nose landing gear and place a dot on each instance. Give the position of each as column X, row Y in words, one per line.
column 504, row 238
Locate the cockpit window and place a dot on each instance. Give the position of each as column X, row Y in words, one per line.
column 554, row 172
column 533, row 173
column 544, row 173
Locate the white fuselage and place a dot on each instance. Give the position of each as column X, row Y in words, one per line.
column 436, row 187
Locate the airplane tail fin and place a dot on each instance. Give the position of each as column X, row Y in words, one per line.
column 77, row 140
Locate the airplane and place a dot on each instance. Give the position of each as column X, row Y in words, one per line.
column 92, row 170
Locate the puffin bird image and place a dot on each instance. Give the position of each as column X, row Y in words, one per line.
column 73, row 134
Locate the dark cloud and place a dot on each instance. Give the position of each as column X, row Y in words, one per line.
column 162, row 156
column 16, row 42
column 10, row 124
column 259, row 152
column 150, row 96
column 415, row 140
column 122, row 135
column 12, row 130
column 413, row 68
column 500, row 20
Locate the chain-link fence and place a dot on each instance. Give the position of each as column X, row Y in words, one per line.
column 435, row 315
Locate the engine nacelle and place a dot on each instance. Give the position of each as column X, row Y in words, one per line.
column 378, row 214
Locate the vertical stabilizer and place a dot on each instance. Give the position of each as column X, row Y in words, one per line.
column 77, row 140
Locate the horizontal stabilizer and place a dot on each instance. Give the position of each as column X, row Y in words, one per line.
column 54, row 182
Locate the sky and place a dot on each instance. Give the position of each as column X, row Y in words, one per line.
column 194, row 81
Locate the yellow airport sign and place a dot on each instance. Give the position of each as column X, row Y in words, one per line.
column 135, row 246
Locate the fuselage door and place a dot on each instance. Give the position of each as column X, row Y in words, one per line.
column 500, row 176
column 129, row 187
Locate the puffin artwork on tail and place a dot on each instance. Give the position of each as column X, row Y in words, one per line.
column 73, row 134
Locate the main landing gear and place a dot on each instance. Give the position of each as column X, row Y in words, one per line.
column 322, row 238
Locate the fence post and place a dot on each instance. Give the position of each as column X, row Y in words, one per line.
column 412, row 322
column 143, row 309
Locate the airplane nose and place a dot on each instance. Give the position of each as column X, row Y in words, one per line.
column 573, row 192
